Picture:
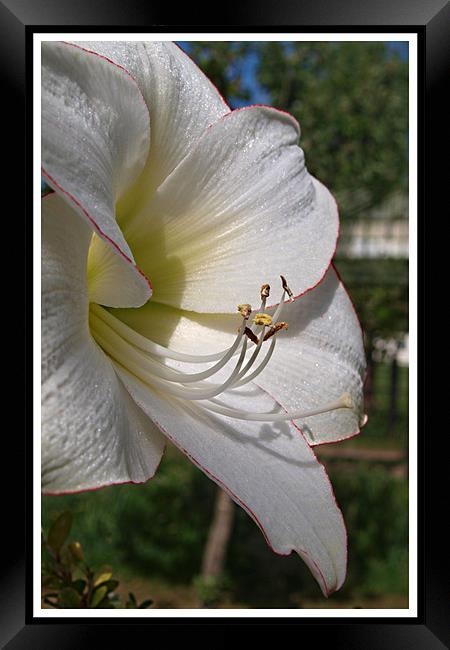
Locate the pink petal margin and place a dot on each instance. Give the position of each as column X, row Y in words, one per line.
column 60, row 190
column 301, row 552
column 52, row 182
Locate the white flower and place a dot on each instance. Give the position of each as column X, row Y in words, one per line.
column 155, row 178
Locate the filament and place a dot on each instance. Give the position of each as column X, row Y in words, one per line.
column 145, row 359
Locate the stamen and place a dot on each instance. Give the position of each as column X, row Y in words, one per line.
column 155, row 366
column 245, row 310
column 259, row 369
column 138, row 369
column 237, row 414
column 249, row 364
column 251, row 335
column 276, row 328
column 143, row 358
column 265, row 291
column 263, row 319
column 149, row 346
column 286, row 288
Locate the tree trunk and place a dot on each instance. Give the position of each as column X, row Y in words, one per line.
column 218, row 537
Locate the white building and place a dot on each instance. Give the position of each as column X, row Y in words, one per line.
column 380, row 232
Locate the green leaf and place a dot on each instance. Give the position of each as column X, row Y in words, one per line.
column 59, row 531
column 77, row 551
column 98, row 595
column 110, row 585
column 79, row 585
column 145, row 604
column 106, row 604
column 66, row 557
column 102, row 575
column 69, row 598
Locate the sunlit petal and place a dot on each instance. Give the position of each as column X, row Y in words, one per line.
column 95, row 140
column 239, row 210
column 269, row 470
column 93, row 434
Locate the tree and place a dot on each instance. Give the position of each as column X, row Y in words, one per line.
column 351, row 101
column 223, row 62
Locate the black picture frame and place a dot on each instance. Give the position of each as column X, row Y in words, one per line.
column 19, row 19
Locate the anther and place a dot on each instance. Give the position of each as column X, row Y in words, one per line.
column 265, row 291
column 275, row 328
column 251, row 335
column 263, row 319
column 286, row 287
column 245, row 310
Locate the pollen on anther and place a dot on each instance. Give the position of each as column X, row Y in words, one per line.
column 263, row 319
column 245, row 310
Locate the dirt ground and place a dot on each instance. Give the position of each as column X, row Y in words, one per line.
column 184, row 597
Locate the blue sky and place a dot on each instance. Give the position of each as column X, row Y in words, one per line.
column 259, row 96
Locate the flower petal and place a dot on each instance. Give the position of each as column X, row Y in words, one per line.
column 95, row 140
column 182, row 331
column 111, row 282
column 237, row 211
column 93, row 434
column 269, row 470
column 319, row 358
column 182, row 102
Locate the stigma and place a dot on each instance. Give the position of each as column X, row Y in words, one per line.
column 249, row 355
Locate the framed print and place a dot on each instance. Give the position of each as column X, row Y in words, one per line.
column 225, row 242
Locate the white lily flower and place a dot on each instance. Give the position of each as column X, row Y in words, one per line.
column 156, row 178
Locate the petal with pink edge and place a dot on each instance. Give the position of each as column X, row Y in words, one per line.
column 236, row 212
column 320, row 357
column 93, row 433
column 95, row 140
column 181, row 100
column 270, row 470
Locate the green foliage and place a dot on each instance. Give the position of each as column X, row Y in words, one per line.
column 211, row 590
column 173, row 512
column 68, row 581
column 156, row 529
column 351, row 100
column 377, row 427
column 161, row 528
column 375, row 508
column 223, row 63
column 59, row 532
column 379, row 290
